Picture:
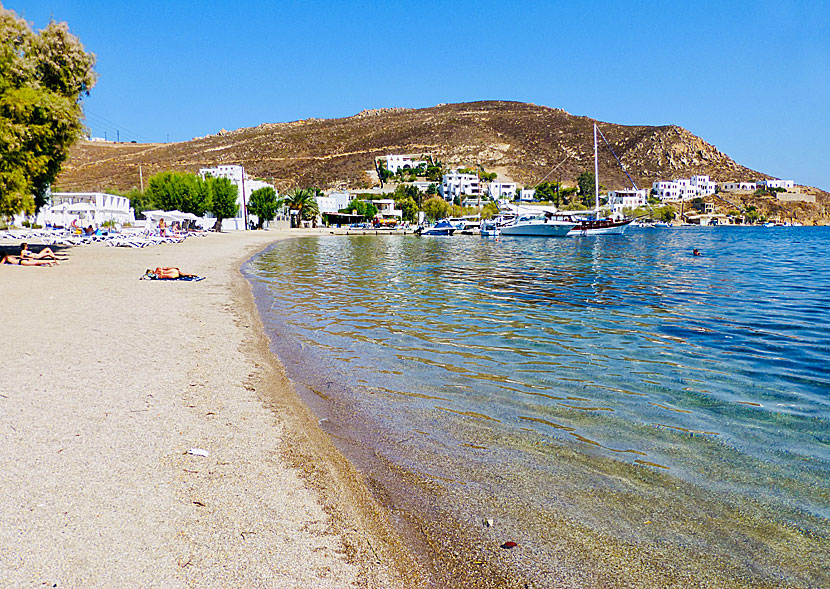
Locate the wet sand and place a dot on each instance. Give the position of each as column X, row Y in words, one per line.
column 108, row 381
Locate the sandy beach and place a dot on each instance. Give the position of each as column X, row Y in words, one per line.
column 108, row 383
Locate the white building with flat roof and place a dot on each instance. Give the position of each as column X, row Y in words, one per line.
column 626, row 199
column 527, row 194
column 749, row 186
column 402, row 162
column 502, row 190
column 775, row 183
column 386, row 208
column 455, row 184
column 684, row 188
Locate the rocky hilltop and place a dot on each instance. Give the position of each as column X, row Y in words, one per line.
column 523, row 142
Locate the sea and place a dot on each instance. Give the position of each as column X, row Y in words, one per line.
column 624, row 412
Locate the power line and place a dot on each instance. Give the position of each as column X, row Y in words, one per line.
column 105, row 124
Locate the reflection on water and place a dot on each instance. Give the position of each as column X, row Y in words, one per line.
column 713, row 369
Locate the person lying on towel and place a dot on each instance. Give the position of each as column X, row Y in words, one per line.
column 169, row 273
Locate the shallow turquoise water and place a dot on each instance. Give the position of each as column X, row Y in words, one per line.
column 713, row 369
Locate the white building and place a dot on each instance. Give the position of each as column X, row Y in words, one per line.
column 423, row 185
column 402, row 162
column 85, row 208
column 749, row 186
column 456, row 184
column 502, row 190
column 626, row 199
column 786, row 184
column 386, row 209
column 244, row 186
column 527, row 194
column 342, row 198
column 684, row 188
column 703, row 185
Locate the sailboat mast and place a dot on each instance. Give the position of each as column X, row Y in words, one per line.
column 596, row 175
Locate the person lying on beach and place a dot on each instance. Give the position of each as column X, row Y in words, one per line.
column 19, row 261
column 44, row 254
column 168, row 273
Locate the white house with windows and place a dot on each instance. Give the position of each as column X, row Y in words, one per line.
column 702, row 185
column 244, row 186
column 402, row 162
column 456, row 184
column 749, row 186
column 775, row 183
column 502, row 190
column 684, row 188
column 386, row 208
column 626, row 199
column 527, row 194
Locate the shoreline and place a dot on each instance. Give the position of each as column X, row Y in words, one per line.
column 111, row 380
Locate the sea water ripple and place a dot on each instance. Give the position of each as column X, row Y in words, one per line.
column 715, row 368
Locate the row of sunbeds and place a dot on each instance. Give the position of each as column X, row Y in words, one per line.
column 128, row 238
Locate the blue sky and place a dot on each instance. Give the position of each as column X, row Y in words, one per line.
column 750, row 77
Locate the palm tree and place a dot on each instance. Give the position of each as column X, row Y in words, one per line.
column 304, row 202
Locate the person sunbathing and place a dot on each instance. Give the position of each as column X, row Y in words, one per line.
column 20, row 261
column 168, row 273
column 44, row 254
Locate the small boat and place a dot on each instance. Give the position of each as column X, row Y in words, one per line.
column 538, row 226
column 490, row 228
column 442, row 227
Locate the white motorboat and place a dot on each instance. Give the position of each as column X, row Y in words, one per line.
column 538, row 226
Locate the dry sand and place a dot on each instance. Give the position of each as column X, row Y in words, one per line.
column 108, row 381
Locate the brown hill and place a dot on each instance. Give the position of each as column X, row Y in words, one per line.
column 521, row 141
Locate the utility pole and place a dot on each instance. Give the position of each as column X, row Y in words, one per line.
column 141, row 177
column 244, row 206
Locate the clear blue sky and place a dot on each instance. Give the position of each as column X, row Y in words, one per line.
column 751, row 77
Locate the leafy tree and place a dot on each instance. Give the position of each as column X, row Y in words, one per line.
column 140, row 201
column 304, row 202
column 179, row 190
column 435, row 173
column 359, row 207
column 587, row 187
column 548, row 191
column 223, row 205
column 432, row 190
column 436, row 208
column 409, row 209
column 264, row 204
column 43, row 77
column 489, row 210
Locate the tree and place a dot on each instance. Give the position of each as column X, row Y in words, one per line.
column 489, row 210
column 223, row 205
column 436, row 208
column 43, row 77
column 264, row 204
column 303, row 201
column 358, row 207
column 587, row 187
column 179, row 191
column 548, row 191
column 432, row 189
column 409, row 209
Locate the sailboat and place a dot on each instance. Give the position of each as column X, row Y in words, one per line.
column 596, row 225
